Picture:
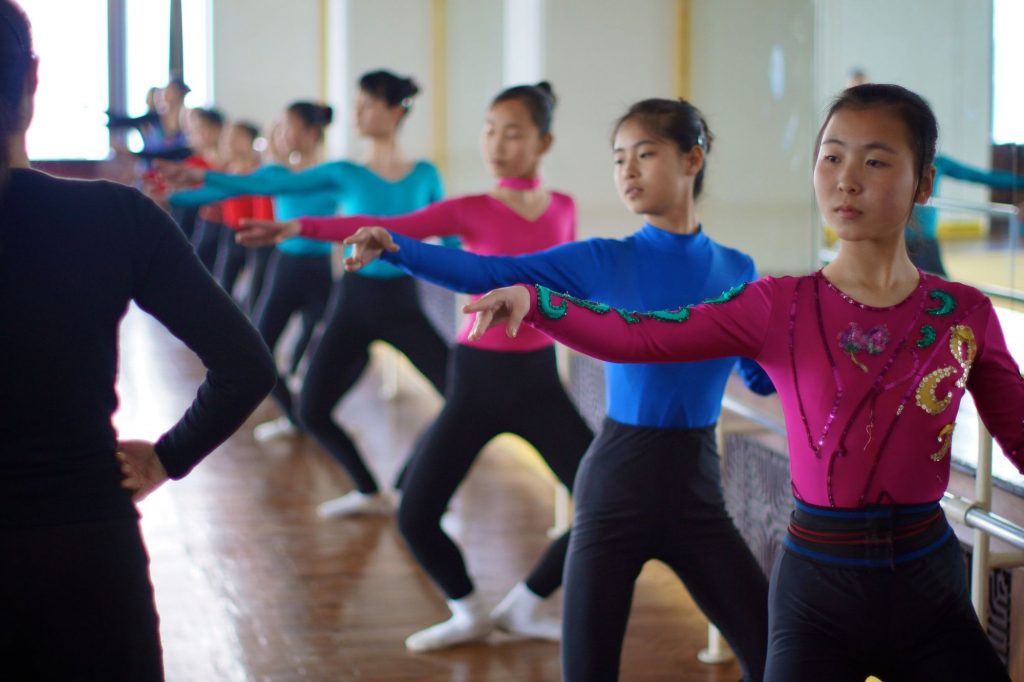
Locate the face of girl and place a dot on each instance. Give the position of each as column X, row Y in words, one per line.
column 511, row 143
column 374, row 118
column 652, row 175
column 237, row 142
column 296, row 135
column 864, row 175
column 201, row 132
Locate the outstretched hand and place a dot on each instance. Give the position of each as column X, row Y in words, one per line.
column 143, row 472
column 508, row 306
column 178, row 175
column 255, row 232
column 369, row 243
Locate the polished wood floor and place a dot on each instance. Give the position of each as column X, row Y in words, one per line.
column 251, row 585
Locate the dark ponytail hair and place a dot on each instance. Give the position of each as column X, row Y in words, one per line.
column 213, row 117
column 395, row 90
column 250, row 129
column 911, row 108
column 538, row 99
column 15, row 58
column 675, row 120
column 312, row 115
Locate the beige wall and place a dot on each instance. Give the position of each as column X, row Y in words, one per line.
column 944, row 53
column 761, row 70
column 751, row 75
column 601, row 56
column 266, row 53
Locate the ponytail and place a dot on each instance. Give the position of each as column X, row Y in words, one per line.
column 312, row 114
column 395, row 90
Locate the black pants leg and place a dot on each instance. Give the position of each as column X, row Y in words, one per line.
column 609, row 546
column 256, row 261
column 555, row 428
column 206, row 241
column 364, row 310
column 78, row 604
column 703, row 547
column 475, row 411
column 186, row 217
column 647, row 493
column 294, row 284
column 913, row 622
column 231, row 257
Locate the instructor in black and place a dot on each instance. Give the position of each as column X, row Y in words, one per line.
column 75, row 597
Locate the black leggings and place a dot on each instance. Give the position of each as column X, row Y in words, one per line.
column 364, row 310
column 911, row 622
column 231, row 258
column 489, row 393
column 655, row 493
column 256, row 260
column 295, row 284
column 77, row 604
column 206, row 241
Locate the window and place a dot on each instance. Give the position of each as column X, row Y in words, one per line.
column 75, row 63
column 1008, row 55
column 71, row 42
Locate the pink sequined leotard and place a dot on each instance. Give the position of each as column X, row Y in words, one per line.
column 870, row 395
column 485, row 225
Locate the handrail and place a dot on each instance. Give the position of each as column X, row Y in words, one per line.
column 1009, row 210
column 750, row 414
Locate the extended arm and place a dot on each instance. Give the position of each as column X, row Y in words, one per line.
column 734, row 323
column 436, row 220
column 326, row 176
column 208, row 193
column 567, row 267
column 992, row 178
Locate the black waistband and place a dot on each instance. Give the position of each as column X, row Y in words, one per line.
column 872, row 537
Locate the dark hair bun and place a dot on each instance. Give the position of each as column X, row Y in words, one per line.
column 326, row 114
column 396, row 91
column 539, row 99
column 410, row 89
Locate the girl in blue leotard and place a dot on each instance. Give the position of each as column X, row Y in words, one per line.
column 649, row 486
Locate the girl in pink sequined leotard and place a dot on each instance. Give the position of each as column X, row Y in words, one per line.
column 871, row 358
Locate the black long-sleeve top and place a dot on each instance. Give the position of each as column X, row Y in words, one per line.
column 73, row 254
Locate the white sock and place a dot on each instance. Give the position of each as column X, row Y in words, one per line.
column 518, row 613
column 355, row 502
column 282, row 427
column 469, row 622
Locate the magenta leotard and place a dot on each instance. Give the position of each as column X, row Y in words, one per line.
column 870, row 395
column 486, row 226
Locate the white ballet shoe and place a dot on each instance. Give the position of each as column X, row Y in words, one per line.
column 355, row 503
column 470, row 622
column 518, row 614
column 282, row 427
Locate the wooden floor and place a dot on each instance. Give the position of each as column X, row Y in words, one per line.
column 251, row 585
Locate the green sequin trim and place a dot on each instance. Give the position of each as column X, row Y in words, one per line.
column 599, row 308
column 928, row 336
column 547, row 309
column 947, row 303
column 726, row 295
column 681, row 315
column 557, row 312
column 628, row 317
